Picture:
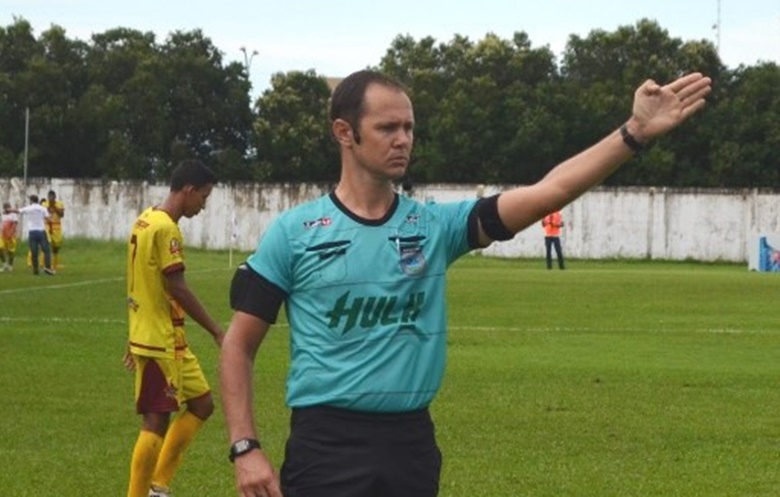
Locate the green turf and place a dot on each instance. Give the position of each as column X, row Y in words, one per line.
column 607, row 379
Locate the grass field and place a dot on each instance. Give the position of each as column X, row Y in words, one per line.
column 608, row 379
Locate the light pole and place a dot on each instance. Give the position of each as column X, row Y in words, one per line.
column 248, row 59
column 717, row 28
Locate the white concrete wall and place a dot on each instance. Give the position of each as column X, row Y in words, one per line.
column 633, row 223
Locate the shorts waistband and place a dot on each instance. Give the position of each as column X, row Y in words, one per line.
column 362, row 416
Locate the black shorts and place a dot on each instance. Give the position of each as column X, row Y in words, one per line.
column 339, row 453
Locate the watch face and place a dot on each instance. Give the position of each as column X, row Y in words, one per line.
column 241, row 447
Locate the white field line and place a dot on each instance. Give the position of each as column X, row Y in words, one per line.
column 83, row 283
column 481, row 329
column 514, row 329
column 62, row 320
column 563, row 329
column 58, row 287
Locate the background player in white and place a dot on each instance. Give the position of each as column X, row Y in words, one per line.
column 35, row 216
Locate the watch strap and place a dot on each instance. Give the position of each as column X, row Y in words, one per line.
column 630, row 140
column 243, row 446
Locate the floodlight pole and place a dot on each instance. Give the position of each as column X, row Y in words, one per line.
column 248, row 59
column 717, row 31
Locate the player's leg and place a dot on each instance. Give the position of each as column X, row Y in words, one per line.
column 559, row 252
column 548, row 251
column 3, row 254
column 10, row 248
column 409, row 458
column 155, row 403
column 311, row 466
column 35, row 244
column 56, row 246
column 195, row 392
column 46, row 255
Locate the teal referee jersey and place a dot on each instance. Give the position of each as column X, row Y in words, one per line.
column 365, row 299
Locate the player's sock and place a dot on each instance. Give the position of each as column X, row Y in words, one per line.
column 55, row 261
column 145, row 455
column 178, row 438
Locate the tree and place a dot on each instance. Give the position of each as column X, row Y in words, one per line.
column 292, row 131
column 470, row 100
column 603, row 70
column 17, row 46
column 206, row 104
column 745, row 143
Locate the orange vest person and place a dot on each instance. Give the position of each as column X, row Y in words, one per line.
column 552, row 224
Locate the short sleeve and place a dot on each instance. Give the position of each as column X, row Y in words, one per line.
column 273, row 256
column 458, row 224
column 169, row 247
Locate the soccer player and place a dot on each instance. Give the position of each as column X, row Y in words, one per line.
column 9, row 224
column 54, row 225
column 167, row 373
column 361, row 272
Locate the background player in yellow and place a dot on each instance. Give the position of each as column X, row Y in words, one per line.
column 167, row 373
column 54, row 225
column 9, row 226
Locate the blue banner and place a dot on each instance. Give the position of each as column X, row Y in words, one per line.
column 768, row 256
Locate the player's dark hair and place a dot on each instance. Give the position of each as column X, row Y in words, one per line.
column 348, row 100
column 192, row 172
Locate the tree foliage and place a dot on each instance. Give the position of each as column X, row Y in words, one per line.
column 124, row 105
column 292, row 133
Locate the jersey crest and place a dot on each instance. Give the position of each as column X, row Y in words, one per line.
column 412, row 261
column 175, row 246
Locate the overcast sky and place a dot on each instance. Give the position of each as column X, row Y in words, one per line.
column 336, row 38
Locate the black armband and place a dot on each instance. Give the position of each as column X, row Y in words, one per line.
column 492, row 225
column 255, row 295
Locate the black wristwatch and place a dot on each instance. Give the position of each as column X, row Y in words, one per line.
column 242, row 446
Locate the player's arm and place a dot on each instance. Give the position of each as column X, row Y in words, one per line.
column 656, row 110
column 254, row 472
column 256, row 302
column 178, row 289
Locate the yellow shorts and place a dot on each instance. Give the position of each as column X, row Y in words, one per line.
column 8, row 244
column 55, row 239
column 162, row 385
